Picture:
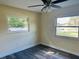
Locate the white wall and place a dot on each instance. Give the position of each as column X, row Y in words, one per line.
column 70, row 45
column 14, row 42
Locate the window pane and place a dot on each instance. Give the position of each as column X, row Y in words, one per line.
column 17, row 24
column 67, row 31
column 68, row 21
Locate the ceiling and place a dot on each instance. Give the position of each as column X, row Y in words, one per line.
column 24, row 3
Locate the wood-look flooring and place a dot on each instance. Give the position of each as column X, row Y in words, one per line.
column 41, row 52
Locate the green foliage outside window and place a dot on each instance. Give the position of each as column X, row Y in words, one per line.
column 16, row 22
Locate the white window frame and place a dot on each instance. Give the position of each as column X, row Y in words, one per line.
column 67, row 27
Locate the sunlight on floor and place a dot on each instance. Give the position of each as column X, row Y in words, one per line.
column 50, row 53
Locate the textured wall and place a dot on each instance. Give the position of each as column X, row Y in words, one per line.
column 48, row 30
column 13, row 42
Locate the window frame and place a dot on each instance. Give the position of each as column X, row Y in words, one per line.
column 28, row 24
column 67, row 37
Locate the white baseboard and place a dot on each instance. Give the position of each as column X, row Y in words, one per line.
column 77, row 54
column 3, row 54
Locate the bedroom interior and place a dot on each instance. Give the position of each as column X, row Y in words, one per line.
column 39, row 29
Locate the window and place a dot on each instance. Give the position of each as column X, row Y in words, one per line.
column 68, row 26
column 17, row 24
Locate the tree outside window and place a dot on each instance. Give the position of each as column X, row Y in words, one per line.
column 17, row 23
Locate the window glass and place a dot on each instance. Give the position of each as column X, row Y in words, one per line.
column 17, row 24
column 67, row 31
column 68, row 21
column 68, row 26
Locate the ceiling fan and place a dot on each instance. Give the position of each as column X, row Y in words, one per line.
column 49, row 3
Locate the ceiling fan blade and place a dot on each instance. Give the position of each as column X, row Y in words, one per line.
column 43, row 8
column 58, row 1
column 46, row 1
column 56, row 6
column 35, row 5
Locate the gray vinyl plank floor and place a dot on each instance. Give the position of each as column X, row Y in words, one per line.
column 41, row 52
